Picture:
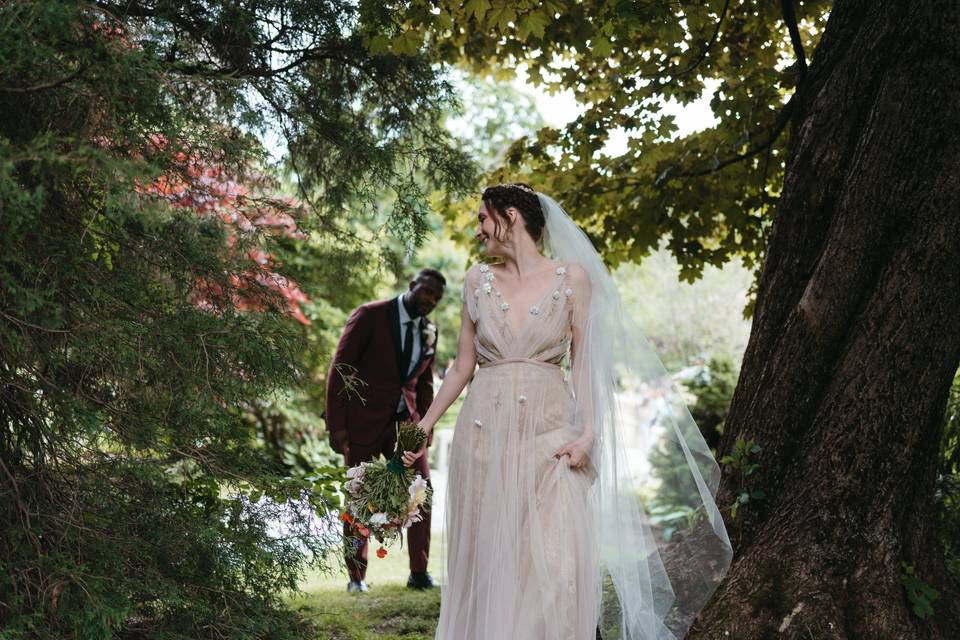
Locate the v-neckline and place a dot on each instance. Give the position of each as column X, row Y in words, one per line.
column 516, row 331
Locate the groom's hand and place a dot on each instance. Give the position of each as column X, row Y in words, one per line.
column 343, row 444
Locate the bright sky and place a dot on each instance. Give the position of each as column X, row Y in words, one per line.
column 560, row 108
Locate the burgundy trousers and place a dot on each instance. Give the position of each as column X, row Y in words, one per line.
column 418, row 535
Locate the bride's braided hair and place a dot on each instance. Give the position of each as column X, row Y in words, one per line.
column 520, row 196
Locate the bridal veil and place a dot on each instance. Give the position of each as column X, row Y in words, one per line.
column 661, row 543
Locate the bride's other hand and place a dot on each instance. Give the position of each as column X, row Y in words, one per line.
column 576, row 452
column 409, row 457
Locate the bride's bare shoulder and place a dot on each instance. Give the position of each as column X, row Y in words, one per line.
column 476, row 272
column 577, row 272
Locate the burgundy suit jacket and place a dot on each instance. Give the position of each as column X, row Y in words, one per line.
column 370, row 347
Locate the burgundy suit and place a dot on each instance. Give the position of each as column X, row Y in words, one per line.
column 370, row 349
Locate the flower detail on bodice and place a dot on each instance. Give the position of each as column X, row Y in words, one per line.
column 542, row 333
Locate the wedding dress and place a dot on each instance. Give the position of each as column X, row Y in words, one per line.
column 537, row 550
column 516, row 514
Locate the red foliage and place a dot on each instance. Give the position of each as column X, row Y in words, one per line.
column 211, row 190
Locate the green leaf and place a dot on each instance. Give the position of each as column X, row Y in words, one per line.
column 407, row 43
column 478, row 8
column 535, row 23
column 502, row 17
column 601, row 47
column 379, row 44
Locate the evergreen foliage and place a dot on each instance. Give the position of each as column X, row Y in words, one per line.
column 149, row 325
column 948, row 481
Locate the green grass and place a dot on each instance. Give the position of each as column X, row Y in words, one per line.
column 386, row 612
column 389, row 611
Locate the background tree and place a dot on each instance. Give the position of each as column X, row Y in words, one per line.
column 144, row 325
column 849, row 165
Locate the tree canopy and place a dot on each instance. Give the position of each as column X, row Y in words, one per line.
column 709, row 193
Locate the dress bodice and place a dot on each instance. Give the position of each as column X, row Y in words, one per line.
column 541, row 332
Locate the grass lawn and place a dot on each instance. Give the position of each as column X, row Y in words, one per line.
column 386, row 612
column 389, row 611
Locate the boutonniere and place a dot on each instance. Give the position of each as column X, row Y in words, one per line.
column 429, row 333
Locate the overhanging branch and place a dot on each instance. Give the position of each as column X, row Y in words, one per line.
column 790, row 18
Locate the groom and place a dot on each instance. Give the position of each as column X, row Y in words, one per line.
column 386, row 353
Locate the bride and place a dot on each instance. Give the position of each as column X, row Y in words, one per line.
column 580, row 489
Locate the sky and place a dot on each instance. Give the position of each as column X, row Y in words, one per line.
column 560, row 108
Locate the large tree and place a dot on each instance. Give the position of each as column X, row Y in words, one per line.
column 839, row 176
column 855, row 341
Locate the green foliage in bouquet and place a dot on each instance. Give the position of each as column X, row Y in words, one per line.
column 410, row 437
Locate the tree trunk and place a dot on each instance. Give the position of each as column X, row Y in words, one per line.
column 855, row 340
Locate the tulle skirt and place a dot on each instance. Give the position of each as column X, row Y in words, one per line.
column 520, row 533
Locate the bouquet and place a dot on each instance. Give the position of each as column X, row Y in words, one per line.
column 383, row 496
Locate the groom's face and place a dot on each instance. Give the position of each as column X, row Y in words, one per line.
column 426, row 294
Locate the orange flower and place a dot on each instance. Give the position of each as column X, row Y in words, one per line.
column 346, row 517
column 381, row 553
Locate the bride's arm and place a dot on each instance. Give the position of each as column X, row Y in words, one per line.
column 579, row 449
column 454, row 381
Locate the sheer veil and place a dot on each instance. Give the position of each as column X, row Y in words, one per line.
column 661, row 543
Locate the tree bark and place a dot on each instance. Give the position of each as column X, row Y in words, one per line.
column 855, row 339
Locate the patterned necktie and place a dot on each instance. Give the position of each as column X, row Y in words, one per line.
column 407, row 349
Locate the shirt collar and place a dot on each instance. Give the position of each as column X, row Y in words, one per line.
column 404, row 316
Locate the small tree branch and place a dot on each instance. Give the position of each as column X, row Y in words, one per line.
column 774, row 133
column 790, row 18
column 706, row 48
column 44, row 86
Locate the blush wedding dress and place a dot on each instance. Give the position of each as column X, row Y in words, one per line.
column 631, row 543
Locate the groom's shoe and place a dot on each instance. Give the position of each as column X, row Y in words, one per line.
column 357, row 586
column 420, row 580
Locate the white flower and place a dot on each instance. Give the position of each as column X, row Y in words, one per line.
column 418, row 493
column 487, row 287
column 484, row 268
column 430, row 334
column 534, row 310
column 378, row 518
column 489, row 277
column 568, row 292
column 556, row 295
column 561, row 271
column 477, row 423
column 505, row 305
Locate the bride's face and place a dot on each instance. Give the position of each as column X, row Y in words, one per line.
column 493, row 238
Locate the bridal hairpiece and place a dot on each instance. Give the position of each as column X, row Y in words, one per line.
column 522, row 187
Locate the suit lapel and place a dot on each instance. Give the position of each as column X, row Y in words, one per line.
column 393, row 314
